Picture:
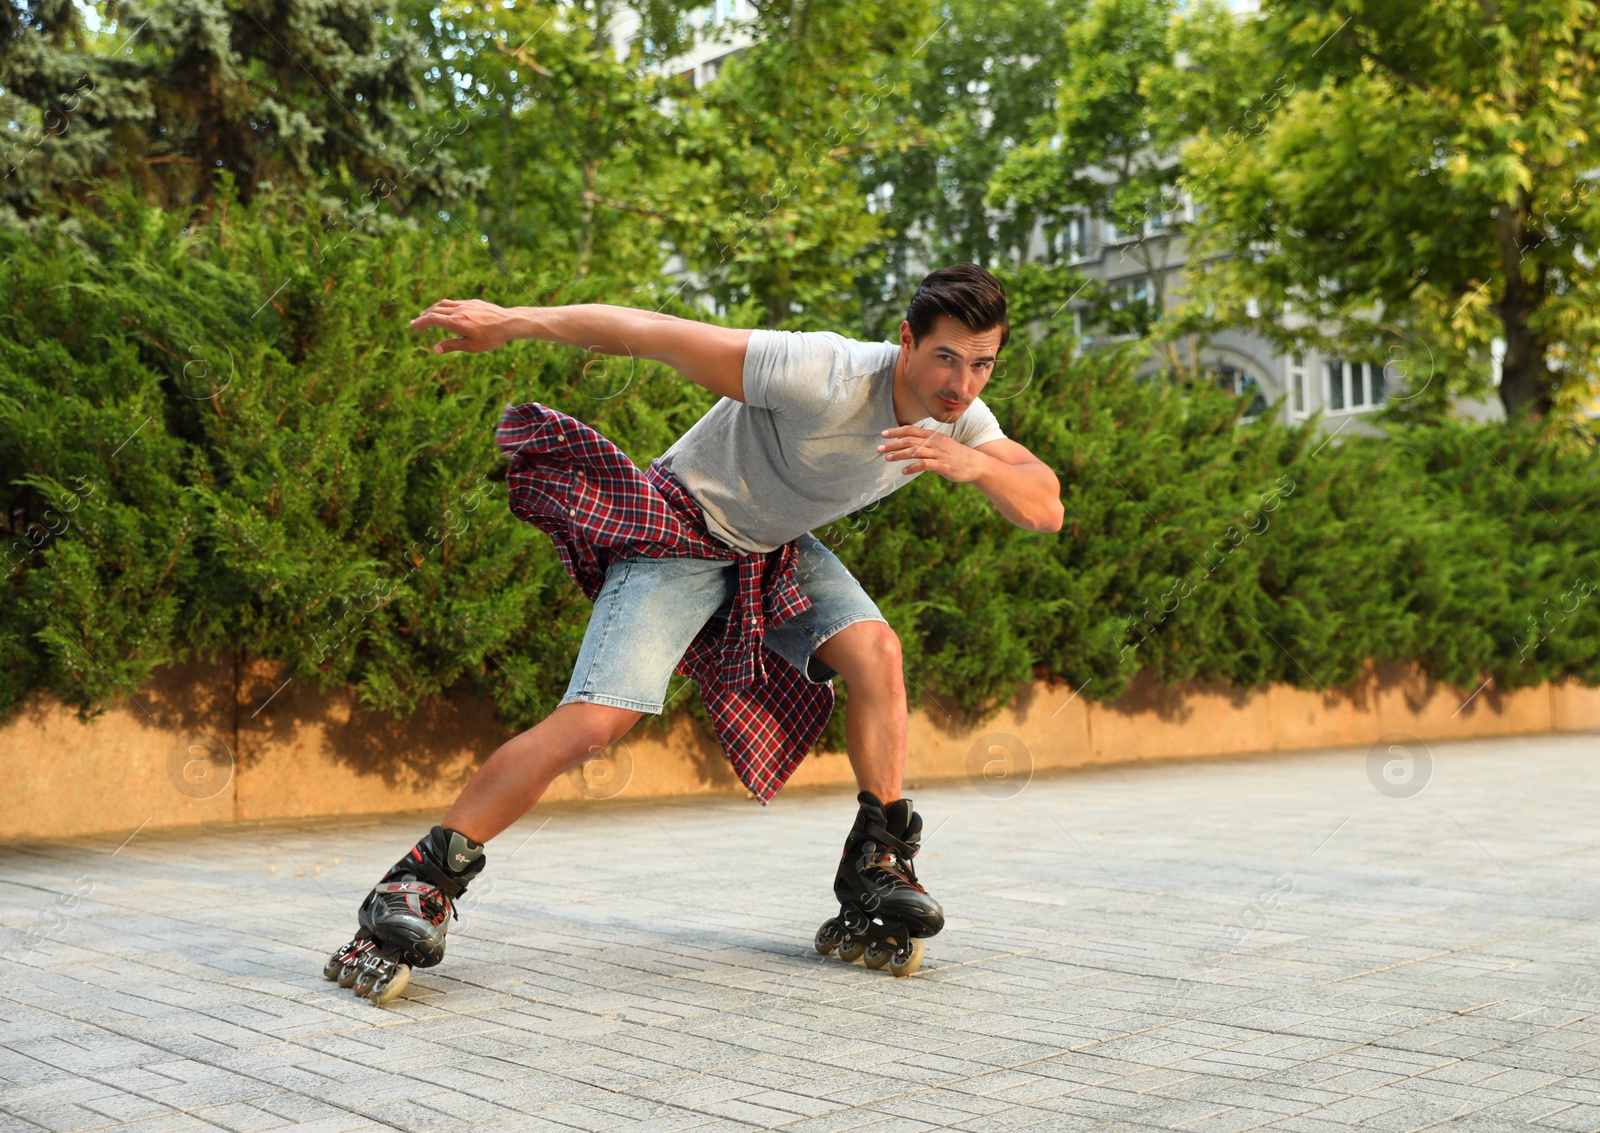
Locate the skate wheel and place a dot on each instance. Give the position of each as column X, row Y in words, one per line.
column 349, row 957
column 907, row 959
column 365, row 980
column 877, row 955
column 829, row 935
column 387, row 989
column 851, row 950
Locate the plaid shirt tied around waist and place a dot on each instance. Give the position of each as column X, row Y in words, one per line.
column 583, row 491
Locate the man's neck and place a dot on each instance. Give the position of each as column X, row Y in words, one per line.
column 907, row 409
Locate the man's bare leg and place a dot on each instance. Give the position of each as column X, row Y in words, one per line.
column 867, row 656
column 512, row 779
column 404, row 920
column 884, row 911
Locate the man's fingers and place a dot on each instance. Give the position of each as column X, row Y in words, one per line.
column 905, row 450
column 431, row 318
column 450, row 345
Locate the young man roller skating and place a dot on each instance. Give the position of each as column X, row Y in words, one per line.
column 703, row 564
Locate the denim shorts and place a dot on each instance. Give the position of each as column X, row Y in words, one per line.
column 649, row 610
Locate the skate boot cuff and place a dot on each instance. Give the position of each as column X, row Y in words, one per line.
column 873, row 832
column 424, row 861
column 461, row 854
column 874, row 821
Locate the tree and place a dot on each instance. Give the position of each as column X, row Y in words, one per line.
column 283, row 93
column 1425, row 188
column 771, row 207
column 1109, row 149
column 981, row 80
column 571, row 125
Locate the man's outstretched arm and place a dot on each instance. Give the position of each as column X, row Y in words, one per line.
column 1018, row 483
column 707, row 355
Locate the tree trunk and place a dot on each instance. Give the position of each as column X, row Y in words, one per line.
column 799, row 10
column 591, row 170
column 591, row 163
column 1524, row 376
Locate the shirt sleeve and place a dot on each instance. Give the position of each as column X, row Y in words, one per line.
column 977, row 426
column 786, row 370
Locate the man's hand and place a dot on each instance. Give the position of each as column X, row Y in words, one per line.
column 478, row 325
column 929, row 451
column 1016, row 482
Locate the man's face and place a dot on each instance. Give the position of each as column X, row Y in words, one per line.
column 949, row 367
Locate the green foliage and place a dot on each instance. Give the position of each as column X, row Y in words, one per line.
column 166, row 97
column 572, row 130
column 1415, row 179
column 1197, row 548
column 770, row 205
column 277, row 467
column 1127, row 95
column 608, row 167
column 226, row 442
column 977, row 82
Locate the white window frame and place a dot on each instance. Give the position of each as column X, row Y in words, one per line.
column 1355, row 378
column 1115, row 236
column 1059, row 242
column 1295, row 375
column 1083, row 248
column 1133, row 289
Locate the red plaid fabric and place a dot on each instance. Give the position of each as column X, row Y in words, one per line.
column 583, row 491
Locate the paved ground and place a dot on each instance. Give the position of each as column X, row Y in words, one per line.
column 1270, row 943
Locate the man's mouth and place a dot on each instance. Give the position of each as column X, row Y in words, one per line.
column 948, row 404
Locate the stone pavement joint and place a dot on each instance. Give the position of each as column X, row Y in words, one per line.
column 1258, row 944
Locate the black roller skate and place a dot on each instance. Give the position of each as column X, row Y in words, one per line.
column 405, row 917
column 883, row 912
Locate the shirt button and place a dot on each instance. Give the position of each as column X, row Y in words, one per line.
column 572, row 512
column 561, row 436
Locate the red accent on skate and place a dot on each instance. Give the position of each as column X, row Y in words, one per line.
column 416, row 853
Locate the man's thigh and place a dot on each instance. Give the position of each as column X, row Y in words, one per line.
column 837, row 600
column 646, row 615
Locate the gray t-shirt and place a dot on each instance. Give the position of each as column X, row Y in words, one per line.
column 802, row 450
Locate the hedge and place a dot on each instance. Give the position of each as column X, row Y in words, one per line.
column 226, row 442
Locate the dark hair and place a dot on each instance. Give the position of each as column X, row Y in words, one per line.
column 966, row 293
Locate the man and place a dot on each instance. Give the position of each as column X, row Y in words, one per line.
column 704, row 564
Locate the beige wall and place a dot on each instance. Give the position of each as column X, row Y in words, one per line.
column 198, row 747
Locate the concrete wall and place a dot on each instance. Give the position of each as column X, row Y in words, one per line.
column 197, row 747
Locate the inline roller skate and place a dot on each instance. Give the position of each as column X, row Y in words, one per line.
column 403, row 921
column 884, row 913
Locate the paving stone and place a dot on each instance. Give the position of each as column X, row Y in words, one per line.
column 1128, row 977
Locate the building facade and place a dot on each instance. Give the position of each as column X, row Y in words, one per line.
column 1148, row 267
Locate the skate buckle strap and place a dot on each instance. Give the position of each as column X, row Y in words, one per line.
column 440, row 879
column 900, row 846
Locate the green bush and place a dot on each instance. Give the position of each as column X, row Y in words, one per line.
column 228, row 443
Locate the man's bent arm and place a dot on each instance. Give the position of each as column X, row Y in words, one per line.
column 706, row 354
column 1020, row 485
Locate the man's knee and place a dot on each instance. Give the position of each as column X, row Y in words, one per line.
column 867, row 652
column 591, row 726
